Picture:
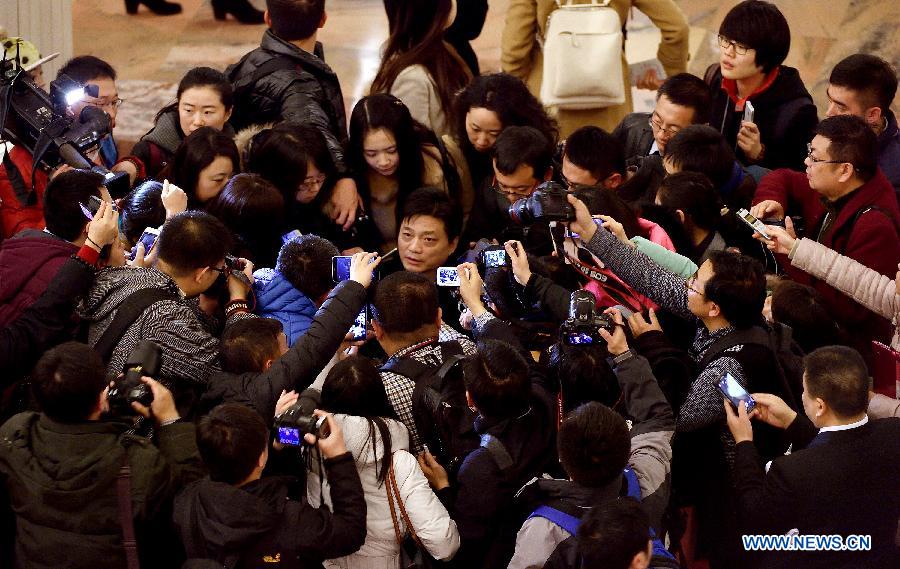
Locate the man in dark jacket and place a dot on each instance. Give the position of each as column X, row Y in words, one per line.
column 60, row 468
column 864, row 85
column 30, row 260
column 682, row 100
column 257, row 365
column 237, row 518
column 594, row 448
column 286, row 79
column 516, row 421
column 847, row 205
column 840, row 478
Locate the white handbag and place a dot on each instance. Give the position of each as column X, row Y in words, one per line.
column 582, row 49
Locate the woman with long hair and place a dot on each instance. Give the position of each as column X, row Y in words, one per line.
column 204, row 98
column 379, row 443
column 202, row 165
column 418, row 65
column 481, row 111
column 393, row 155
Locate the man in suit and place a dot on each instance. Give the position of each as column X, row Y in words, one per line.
column 841, row 476
column 681, row 101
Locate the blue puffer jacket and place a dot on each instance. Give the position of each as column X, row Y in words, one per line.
column 277, row 298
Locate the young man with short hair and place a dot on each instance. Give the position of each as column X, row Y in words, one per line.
column 92, row 71
column 681, row 101
column 30, row 260
column 841, row 476
column 294, row 290
column 286, row 79
column 865, row 85
column 592, row 158
column 267, row 522
column 848, row 205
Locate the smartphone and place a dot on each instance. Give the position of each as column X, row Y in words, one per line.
column 360, row 325
column 148, row 238
column 447, row 276
column 734, row 392
column 494, row 258
column 340, row 268
column 749, row 112
column 754, row 224
column 289, row 436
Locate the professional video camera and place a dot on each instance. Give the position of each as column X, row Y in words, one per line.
column 583, row 325
column 299, row 420
column 145, row 360
column 40, row 123
column 547, row 203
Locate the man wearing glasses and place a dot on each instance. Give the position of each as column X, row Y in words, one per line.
column 93, row 71
column 522, row 161
column 754, row 40
column 848, row 205
column 681, row 101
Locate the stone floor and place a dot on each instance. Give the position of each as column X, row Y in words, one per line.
column 152, row 53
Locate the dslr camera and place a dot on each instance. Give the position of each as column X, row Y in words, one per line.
column 584, row 323
column 547, row 203
column 145, row 360
column 299, row 420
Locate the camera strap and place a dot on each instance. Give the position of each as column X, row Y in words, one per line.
column 126, row 515
column 129, row 310
column 25, row 195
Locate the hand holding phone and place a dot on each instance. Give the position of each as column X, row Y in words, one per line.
column 734, row 392
column 756, row 225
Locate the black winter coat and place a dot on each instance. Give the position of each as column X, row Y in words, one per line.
column 784, row 113
column 308, row 93
column 296, row 369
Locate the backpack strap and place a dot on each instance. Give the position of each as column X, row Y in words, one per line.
column 566, row 521
column 412, row 369
column 126, row 515
column 497, row 451
column 129, row 310
column 754, row 335
column 861, row 212
column 24, row 194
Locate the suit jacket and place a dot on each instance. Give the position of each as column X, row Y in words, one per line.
column 839, row 482
column 635, row 135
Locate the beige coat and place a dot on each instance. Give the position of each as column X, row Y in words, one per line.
column 870, row 288
column 521, row 55
column 415, row 87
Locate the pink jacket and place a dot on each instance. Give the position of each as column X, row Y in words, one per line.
column 866, row 286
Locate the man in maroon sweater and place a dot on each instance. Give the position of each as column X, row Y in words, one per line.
column 848, row 205
column 30, row 260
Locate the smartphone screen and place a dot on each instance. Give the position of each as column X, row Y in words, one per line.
column 289, row 436
column 360, row 325
column 755, row 224
column 734, row 392
column 148, row 238
column 340, row 268
column 447, row 276
column 749, row 112
column 495, row 258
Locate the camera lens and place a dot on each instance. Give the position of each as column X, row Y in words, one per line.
column 521, row 213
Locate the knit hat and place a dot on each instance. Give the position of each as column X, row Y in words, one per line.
column 29, row 56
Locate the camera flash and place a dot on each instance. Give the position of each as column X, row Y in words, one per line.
column 74, row 96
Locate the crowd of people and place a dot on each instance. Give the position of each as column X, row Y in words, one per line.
column 460, row 328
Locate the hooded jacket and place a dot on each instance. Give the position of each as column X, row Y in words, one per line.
column 429, row 518
column 784, row 113
column 308, row 93
column 262, row 526
column 277, row 298
column 28, row 262
column 61, row 478
column 18, row 214
column 296, row 369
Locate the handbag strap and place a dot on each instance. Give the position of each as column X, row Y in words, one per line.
column 403, row 514
column 126, row 516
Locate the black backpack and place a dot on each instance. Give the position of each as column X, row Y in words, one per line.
column 443, row 418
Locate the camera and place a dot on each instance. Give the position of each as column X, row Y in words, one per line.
column 583, row 325
column 40, row 122
column 145, row 360
column 299, row 420
column 547, row 203
column 492, row 257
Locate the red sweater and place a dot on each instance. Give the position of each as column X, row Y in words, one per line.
column 872, row 240
column 16, row 216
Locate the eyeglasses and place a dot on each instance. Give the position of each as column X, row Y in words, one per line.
column 657, row 124
column 576, row 187
column 313, row 183
column 739, row 49
column 517, row 191
column 114, row 104
column 689, row 285
column 814, row 160
column 224, row 270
